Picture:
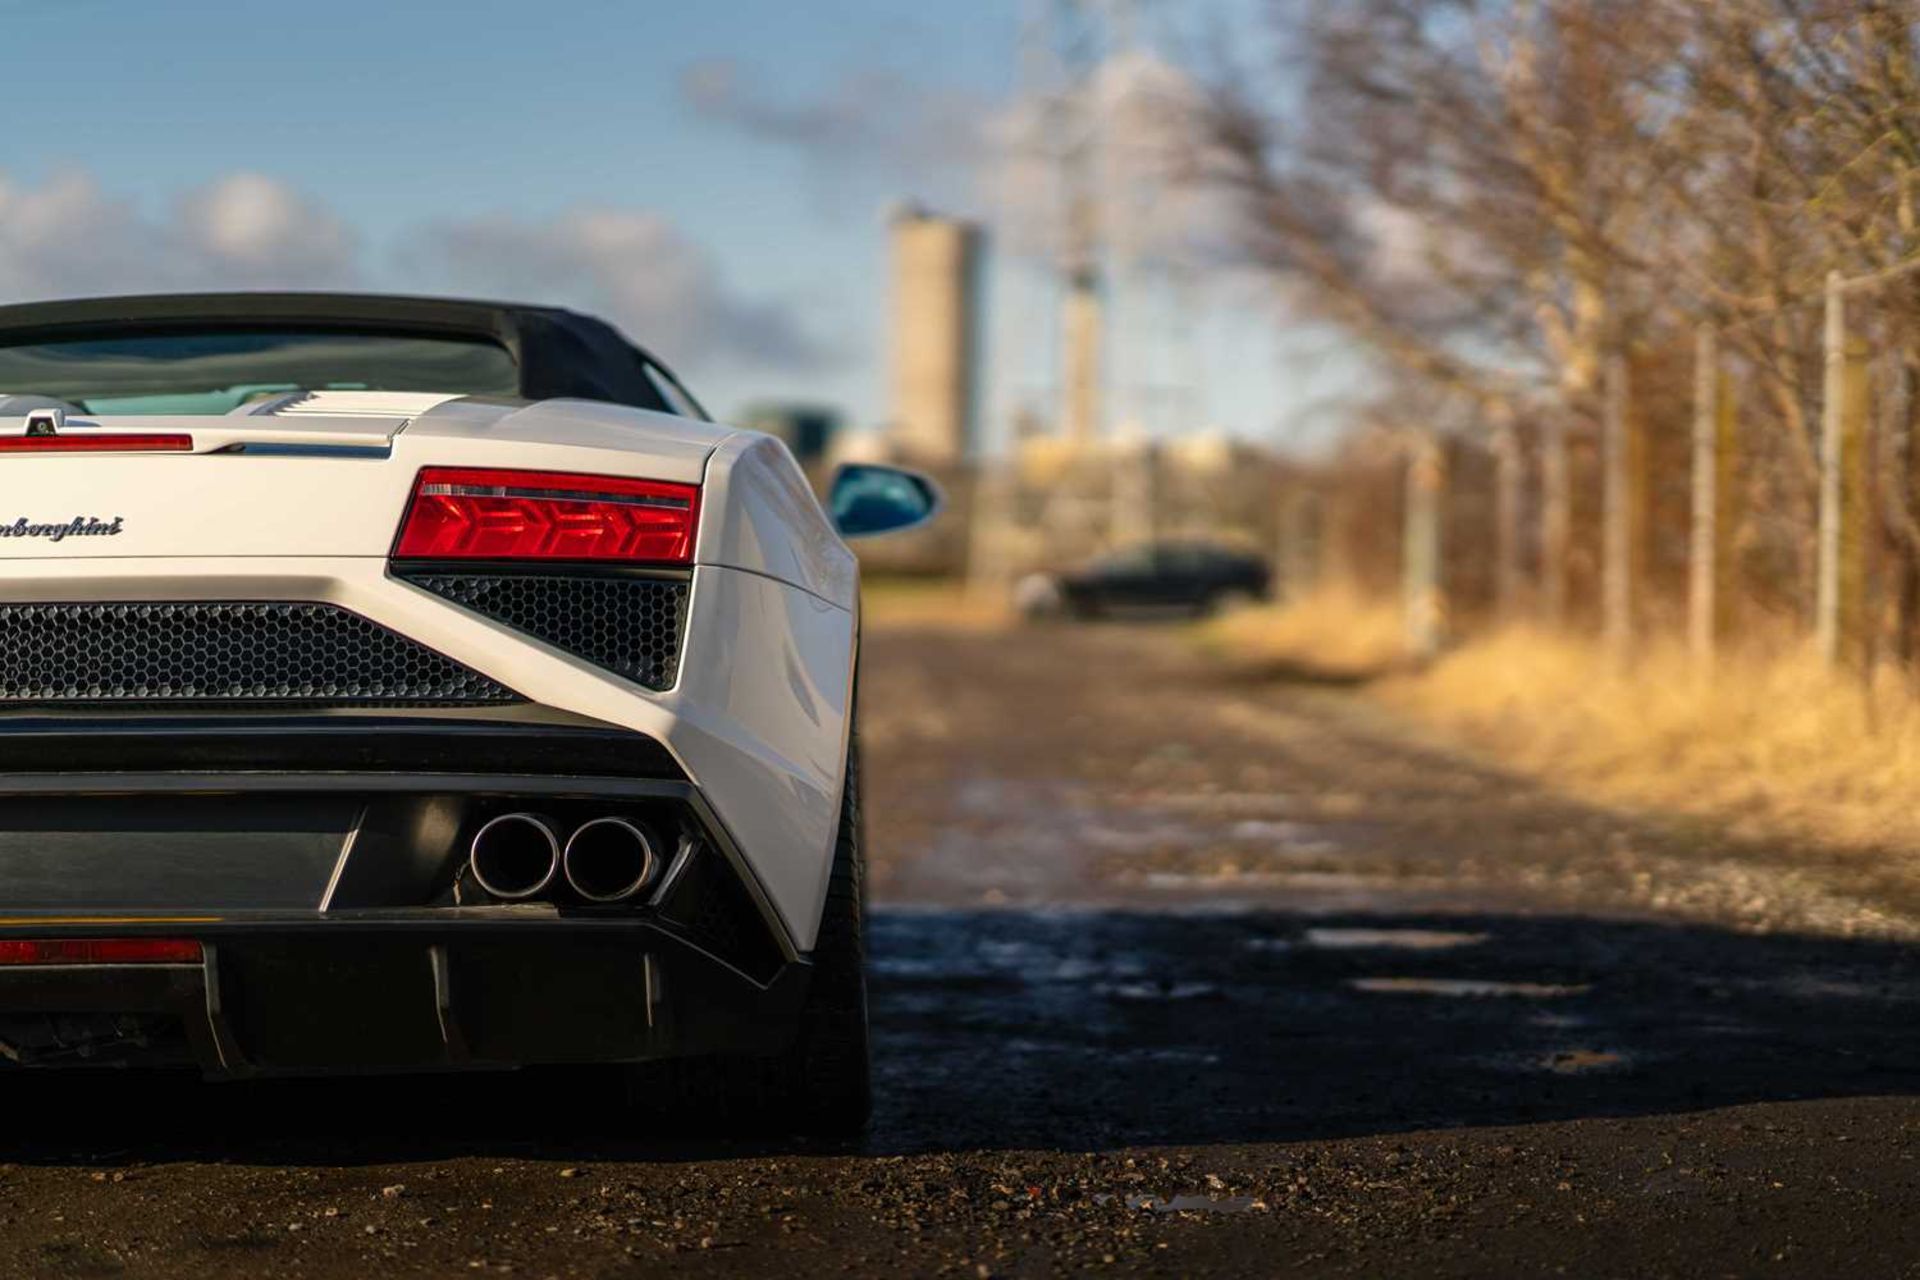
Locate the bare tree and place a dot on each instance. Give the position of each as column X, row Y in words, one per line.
column 1499, row 198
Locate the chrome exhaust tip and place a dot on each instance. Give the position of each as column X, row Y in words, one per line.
column 515, row 856
column 610, row 860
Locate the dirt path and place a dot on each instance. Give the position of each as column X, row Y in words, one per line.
column 1173, row 973
column 1115, row 765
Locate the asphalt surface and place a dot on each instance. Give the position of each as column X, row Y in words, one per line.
column 1176, row 970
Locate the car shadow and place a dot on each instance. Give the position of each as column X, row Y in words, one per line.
column 1087, row 1030
column 1091, row 1030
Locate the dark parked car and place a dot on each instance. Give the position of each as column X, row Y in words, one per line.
column 1183, row 577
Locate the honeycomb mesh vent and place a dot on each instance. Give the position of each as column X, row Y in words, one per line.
column 228, row 651
column 631, row 626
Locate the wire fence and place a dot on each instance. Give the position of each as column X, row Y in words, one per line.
column 1689, row 504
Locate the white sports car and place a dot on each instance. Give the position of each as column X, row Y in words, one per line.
column 396, row 683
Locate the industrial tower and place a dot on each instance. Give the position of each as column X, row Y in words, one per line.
column 1065, row 44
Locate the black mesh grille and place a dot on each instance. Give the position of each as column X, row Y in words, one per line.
column 629, row 625
column 223, row 652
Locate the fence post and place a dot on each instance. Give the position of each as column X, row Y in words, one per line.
column 1899, row 458
column 1617, row 512
column 1425, row 606
column 1826, row 604
column 1703, row 565
column 1133, row 494
column 1857, row 531
column 1506, row 514
column 1556, row 519
column 1300, row 539
column 1727, row 505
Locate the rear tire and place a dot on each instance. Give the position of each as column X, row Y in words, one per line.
column 821, row 1086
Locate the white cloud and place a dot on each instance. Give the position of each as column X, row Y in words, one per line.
column 869, row 119
column 1168, row 231
column 628, row 266
column 1133, row 122
column 250, row 229
column 69, row 237
column 1134, row 125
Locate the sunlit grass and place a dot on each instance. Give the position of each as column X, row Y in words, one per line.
column 1772, row 744
column 931, row 602
column 1334, row 633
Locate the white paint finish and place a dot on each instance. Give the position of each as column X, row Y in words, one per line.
column 232, row 504
column 758, row 719
column 562, row 435
column 356, row 404
column 211, row 434
column 760, row 515
column 758, row 512
column 210, row 502
column 761, row 726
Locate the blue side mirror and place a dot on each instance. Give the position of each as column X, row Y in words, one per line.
column 868, row 499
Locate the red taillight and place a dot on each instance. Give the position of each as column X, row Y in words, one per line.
column 17, row 951
column 101, row 442
column 461, row 513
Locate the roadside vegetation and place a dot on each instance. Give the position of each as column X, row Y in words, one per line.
column 1337, row 635
column 1636, row 508
column 904, row 601
column 1773, row 745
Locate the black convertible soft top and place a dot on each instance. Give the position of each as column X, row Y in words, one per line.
column 560, row 353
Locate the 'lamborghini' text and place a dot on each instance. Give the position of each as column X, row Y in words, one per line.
column 78, row 527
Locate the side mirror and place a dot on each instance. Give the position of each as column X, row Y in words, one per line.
column 867, row 499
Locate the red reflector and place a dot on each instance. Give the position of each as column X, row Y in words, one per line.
column 107, row 442
column 99, row 951
column 461, row 513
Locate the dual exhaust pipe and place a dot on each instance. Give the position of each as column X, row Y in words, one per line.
column 517, row 856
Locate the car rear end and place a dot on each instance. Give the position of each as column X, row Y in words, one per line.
column 363, row 731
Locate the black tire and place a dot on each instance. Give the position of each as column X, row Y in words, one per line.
column 821, row 1086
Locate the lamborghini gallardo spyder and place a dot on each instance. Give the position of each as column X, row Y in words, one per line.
column 410, row 684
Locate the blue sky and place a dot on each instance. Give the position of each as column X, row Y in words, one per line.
column 513, row 147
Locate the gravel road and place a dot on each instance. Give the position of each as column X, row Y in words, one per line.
column 1177, row 970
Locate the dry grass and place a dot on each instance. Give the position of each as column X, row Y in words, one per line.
column 1773, row 745
column 929, row 602
column 1334, row 634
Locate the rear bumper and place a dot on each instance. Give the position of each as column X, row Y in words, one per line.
column 758, row 718
column 494, row 988
column 318, row 861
